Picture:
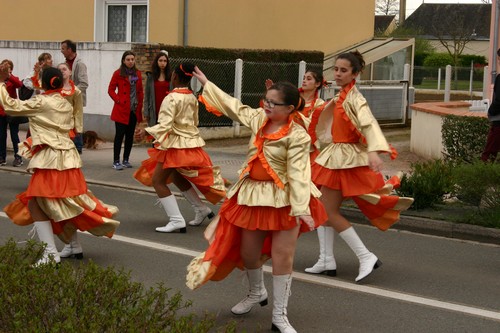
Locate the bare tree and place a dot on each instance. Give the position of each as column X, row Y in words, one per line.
column 454, row 31
column 387, row 7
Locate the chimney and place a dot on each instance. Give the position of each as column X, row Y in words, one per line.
column 402, row 11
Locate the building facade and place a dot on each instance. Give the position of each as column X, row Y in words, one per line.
column 251, row 24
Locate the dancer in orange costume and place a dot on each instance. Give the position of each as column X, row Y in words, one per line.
column 178, row 156
column 57, row 200
column 349, row 167
column 269, row 206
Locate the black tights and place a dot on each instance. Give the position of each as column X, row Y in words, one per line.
column 122, row 131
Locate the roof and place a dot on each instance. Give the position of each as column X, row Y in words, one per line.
column 372, row 50
column 432, row 18
column 382, row 22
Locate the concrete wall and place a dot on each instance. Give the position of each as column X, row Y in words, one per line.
column 426, row 125
column 426, row 140
column 102, row 59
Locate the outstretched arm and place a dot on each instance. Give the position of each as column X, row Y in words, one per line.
column 197, row 73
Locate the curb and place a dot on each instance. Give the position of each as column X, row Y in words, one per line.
column 435, row 227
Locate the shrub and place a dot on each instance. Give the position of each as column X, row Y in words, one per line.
column 478, row 184
column 87, row 298
column 438, row 60
column 464, row 138
column 466, row 59
column 427, row 182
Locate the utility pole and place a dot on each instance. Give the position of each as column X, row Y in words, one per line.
column 494, row 32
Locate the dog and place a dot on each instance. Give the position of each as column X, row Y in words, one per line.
column 90, row 139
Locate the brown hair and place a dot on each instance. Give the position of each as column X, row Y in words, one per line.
column 356, row 60
column 7, row 61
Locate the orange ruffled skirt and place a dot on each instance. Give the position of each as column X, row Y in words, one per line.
column 65, row 199
column 368, row 190
column 193, row 164
column 223, row 254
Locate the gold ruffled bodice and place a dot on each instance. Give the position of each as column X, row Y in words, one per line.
column 76, row 100
column 350, row 155
column 50, row 120
column 286, row 158
column 177, row 122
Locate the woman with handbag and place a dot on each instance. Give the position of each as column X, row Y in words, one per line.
column 125, row 89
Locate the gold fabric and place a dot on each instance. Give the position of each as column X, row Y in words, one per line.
column 350, row 155
column 177, row 123
column 288, row 157
column 76, row 102
column 317, row 102
column 50, row 120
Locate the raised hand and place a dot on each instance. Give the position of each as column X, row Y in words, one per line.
column 197, row 73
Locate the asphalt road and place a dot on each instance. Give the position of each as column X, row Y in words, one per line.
column 427, row 283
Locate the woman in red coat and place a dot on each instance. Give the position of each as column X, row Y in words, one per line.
column 125, row 89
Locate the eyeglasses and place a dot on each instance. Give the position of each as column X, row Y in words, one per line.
column 272, row 104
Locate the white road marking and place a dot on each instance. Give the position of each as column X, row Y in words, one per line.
column 329, row 282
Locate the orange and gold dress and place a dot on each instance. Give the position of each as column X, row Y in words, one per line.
column 57, row 183
column 312, row 111
column 178, row 145
column 343, row 164
column 274, row 189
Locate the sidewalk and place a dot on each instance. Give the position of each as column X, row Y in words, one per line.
column 229, row 154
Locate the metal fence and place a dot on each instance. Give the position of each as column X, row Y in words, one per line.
column 388, row 99
column 463, row 78
column 244, row 80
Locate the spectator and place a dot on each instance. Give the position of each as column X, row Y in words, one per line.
column 44, row 61
column 12, row 83
column 78, row 76
column 493, row 141
column 157, row 87
column 125, row 89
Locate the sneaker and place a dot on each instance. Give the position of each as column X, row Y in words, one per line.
column 18, row 161
column 117, row 166
column 2, row 162
column 126, row 164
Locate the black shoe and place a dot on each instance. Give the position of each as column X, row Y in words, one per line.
column 18, row 161
column 2, row 162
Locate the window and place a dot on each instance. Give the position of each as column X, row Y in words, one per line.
column 122, row 21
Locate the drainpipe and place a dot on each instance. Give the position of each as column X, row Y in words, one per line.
column 186, row 17
column 495, row 6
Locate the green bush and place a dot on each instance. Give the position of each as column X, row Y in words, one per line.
column 464, row 138
column 478, row 184
column 438, row 60
column 86, row 299
column 419, row 58
column 466, row 59
column 427, row 183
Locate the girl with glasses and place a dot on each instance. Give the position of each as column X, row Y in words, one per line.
column 272, row 203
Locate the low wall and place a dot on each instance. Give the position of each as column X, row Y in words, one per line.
column 426, row 126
